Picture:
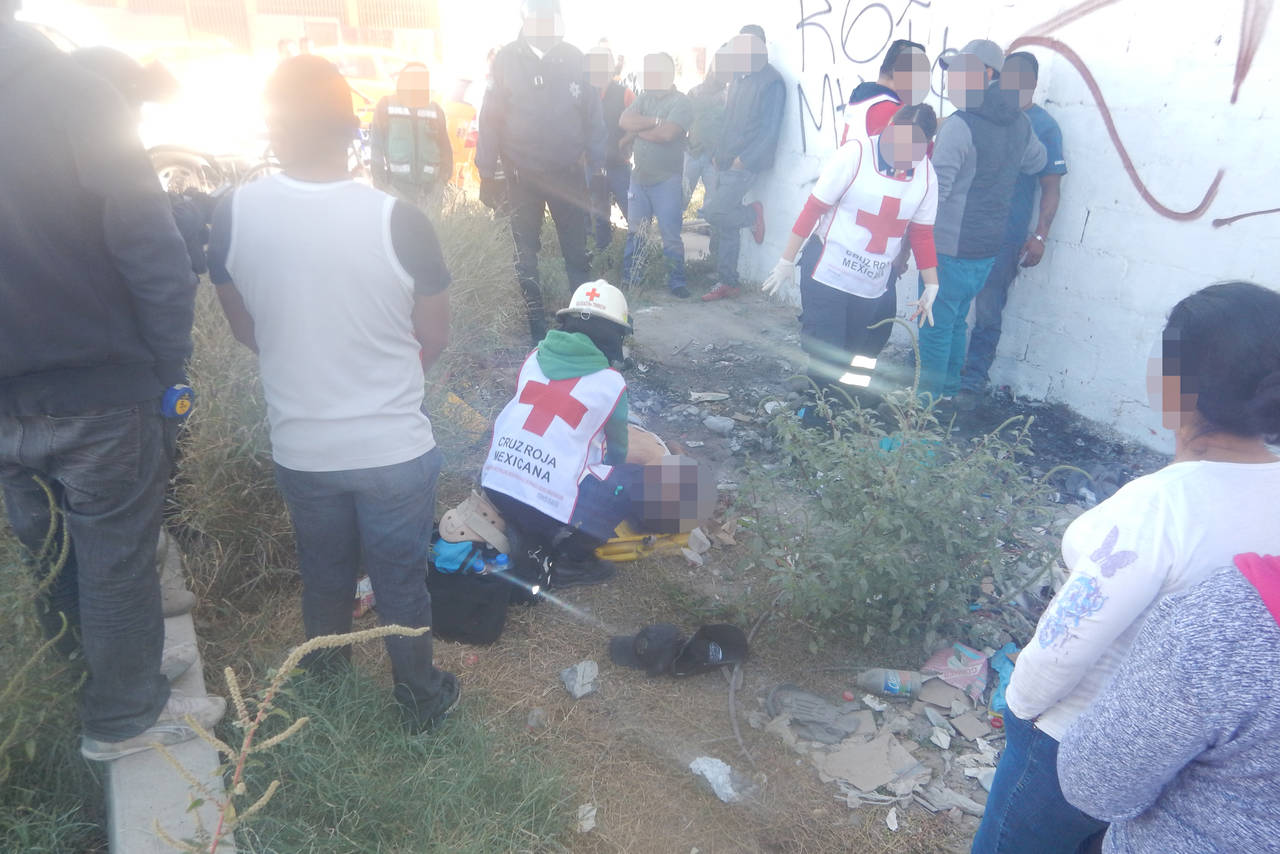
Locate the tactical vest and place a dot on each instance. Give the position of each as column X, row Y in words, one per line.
column 413, row 143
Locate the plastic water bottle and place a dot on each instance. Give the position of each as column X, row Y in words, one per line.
column 890, row 683
column 499, row 564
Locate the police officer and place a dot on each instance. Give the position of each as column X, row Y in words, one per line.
column 542, row 120
column 411, row 153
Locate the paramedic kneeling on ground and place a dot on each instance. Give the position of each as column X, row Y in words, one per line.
column 555, row 468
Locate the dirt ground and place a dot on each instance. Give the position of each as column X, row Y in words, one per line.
column 628, row 746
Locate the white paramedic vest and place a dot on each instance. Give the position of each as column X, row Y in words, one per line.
column 550, row 436
column 863, row 231
column 855, row 117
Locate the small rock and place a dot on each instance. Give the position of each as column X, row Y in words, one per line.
column 941, row 737
column 693, row 557
column 699, row 541
column 537, row 719
column 938, row 720
column 899, row 725
column 719, row 424
column 586, row 818
column 707, row 396
column 771, row 407
column 891, row 820
column 581, row 679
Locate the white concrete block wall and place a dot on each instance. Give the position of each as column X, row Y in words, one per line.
column 1078, row 328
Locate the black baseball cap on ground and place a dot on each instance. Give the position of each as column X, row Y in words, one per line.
column 653, row 649
column 711, row 647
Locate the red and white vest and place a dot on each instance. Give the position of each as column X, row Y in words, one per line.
column 550, row 436
column 869, row 218
column 855, row 117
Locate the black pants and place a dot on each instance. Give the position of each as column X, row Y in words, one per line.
column 834, row 328
column 565, row 195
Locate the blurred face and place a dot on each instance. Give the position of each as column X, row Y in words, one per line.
column 1170, row 393
column 966, row 81
column 543, row 28
column 911, row 76
column 413, row 85
column 1018, row 76
column 659, row 73
column 676, row 494
column 743, row 54
column 600, row 68
column 903, row 147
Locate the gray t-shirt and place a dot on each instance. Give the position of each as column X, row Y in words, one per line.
column 661, row 161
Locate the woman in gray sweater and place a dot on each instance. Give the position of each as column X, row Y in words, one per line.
column 1181, row 752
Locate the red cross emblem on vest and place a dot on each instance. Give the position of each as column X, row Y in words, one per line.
column 551, row 400
column 883, row 225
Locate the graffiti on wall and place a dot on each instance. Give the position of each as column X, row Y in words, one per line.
column 1253, row 24
column 859, row 31
column 852, row 30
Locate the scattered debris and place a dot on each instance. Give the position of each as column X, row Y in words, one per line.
column 939, row 693
column 693, row 443
column 537, row 719
column 873, row 703
column 586, row 818
column 970, row 727
column 699, row 541
column 848, row 696
column 962, row 667
column 719, row 424
column 867, row 765
column 581, row 679
column 937, row 798
column 742, row 419
column 771, row 407
column 815, row 719
column 941, row 738
column 693, row 557
column 984, row 776
column 721, row 778
column 938, row 721
column 707, row 396
column 891, row 820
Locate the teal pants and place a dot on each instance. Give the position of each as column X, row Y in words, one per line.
column 942, row 346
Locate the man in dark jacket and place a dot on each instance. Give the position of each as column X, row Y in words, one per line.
column 96, row 303
column 978, row 155
column 610, row 186
column 542, row 119
column 748, row 142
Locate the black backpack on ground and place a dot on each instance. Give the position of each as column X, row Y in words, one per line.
column 466, row 607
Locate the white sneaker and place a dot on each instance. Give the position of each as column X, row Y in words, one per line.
column 177, row 660
column 170, row 728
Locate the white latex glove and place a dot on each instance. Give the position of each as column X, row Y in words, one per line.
column 924, row 305
column 782, row 279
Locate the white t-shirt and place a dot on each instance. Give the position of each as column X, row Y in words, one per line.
column 1158, row 535
column 868, row 221
column 330, row 273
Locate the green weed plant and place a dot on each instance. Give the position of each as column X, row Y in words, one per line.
column 898, row 525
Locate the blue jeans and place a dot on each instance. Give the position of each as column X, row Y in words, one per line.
column 663, row 200
column 727, row 216
column 1026, row 811
column 605, row 190
column 380, row 518
column 697, row 167
column 988, row 307
column 107, row 470
column 942, row 345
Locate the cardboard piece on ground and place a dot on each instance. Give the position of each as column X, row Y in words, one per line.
column 865, row 765
column 970, row 727
column 938, row 693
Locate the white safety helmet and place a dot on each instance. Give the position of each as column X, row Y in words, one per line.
column 599, row 299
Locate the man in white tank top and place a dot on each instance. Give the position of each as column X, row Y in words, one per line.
column 341, row 290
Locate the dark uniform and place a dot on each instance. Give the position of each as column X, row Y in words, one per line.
column 542, row 119
column 612, row 186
